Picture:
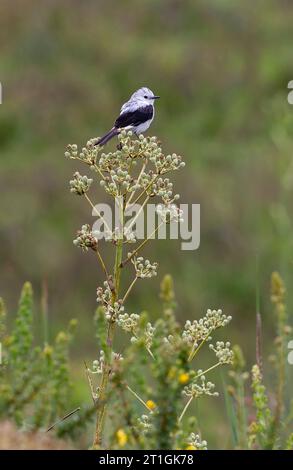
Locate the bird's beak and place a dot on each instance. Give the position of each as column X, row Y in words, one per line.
column 156, row 97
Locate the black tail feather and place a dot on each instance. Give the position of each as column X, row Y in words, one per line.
column 103, row 140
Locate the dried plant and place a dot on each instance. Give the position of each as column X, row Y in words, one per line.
column 137, row 172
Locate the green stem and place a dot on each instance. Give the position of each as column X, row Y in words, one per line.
column 185, row 408
column 129, row 289
column 194, row 351
column 192, row 396
column 102, row 400
column 138, row 397
column 135, row 252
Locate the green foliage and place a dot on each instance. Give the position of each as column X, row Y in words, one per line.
column 260, row 428
column 272, row 422
column 148, row 385
column 35, row 389
column 21, row 339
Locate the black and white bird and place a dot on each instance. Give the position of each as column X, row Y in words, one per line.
column 136, row 115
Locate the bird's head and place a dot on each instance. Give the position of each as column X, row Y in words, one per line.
column 144, row 95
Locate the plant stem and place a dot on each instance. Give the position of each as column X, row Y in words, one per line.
column 138, row 181
column 123, row 263
column 192, row 396
column 146, row 189
column 193, row 351
column 185, row 409
column 138, row 214
column 129, row 289
column 97, row 212
column 87, row 372
column 138, row 397
column 99, row 256
column 102, row 400
column 208, row 370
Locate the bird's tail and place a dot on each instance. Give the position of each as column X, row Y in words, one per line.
column 103, row 140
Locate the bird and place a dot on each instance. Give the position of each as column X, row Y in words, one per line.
column 136, row 115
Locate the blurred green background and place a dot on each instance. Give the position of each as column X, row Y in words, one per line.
column 222, row 69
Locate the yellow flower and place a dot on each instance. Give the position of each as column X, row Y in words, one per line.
column 121, row 437
column 183, row 378
column 190, row 447
column 151, row 405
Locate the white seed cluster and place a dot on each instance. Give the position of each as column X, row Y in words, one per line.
column 164, row 164
column 104, row 294
column 128, row 322
column 146, row 182
column 149, row 335
column 169, row 213
column 144, row 268
column 223, row 352
column 163, row 188
column 195, row 441
column 199, row 330
column 71, row 151
column 87, row 155
column 144, row 423
column 116, row 168
column 119, row 177
column 114, row 236
column 80, row 184
column 98, row 364
column 118, row 181
column 113, row 311
column 104, row 297
column 195, row 389
column 85, row 239
column 129, row 237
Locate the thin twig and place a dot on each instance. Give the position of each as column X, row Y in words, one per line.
column 192, row 396
column 208, row 370
column 138, row 397
column 129, row 289
column 137, row 182
column 102, row 263
column 94, row 395
column 89, row 163
column 97, row 212
column 193, row 351
column 126, row 260
column 185, row 408
column 137, row 215
column 146, row 188
column 63, row 419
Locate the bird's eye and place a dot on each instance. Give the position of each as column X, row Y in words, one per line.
column 145, row 96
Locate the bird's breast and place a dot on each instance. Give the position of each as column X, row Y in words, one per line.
column 141, row 128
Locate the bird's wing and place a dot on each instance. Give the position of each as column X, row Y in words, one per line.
column 134, row 117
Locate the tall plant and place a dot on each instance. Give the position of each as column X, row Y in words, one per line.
column 138, row 172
